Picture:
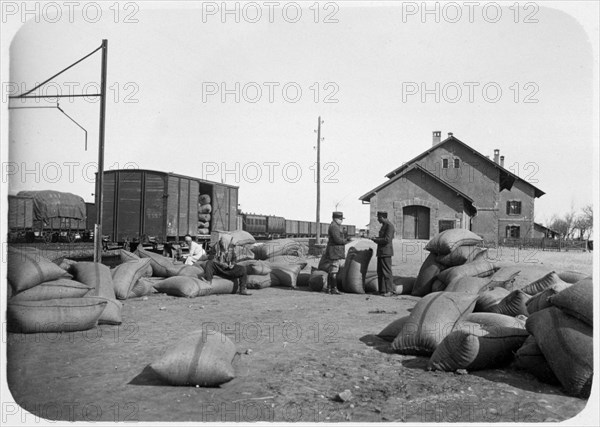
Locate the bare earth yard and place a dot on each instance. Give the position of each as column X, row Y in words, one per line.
column 298, row 349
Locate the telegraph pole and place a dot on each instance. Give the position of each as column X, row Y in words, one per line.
column 100, row 175
column 318, row 236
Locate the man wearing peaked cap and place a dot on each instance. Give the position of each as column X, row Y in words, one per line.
column 335, row 252
column 385, row 251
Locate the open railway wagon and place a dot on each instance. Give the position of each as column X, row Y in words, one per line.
column 48, row 215
column 157, row 209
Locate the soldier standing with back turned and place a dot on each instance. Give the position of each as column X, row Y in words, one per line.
column 385, row 251
column 335, row 251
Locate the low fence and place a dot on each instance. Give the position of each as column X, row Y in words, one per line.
column 544, row 244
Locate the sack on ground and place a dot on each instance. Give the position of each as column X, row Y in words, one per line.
column 185, row 270
column 391, row 331
column 464, row 350
column 488, row 299
column 221, row 285
column 529, row 357
column 126, row 275
column 179, row 286
column 513, row 304
column 142, row 287
column 66, row 264
column 273, row 248
column 438, row 286
column 577, row 300
column 480, row 268
column 372, row 282
column 355, row 270
column 54, row 289
column 256, row 267
column 522, row 274
column 202, row 358
column 427, row 275
column 54, row 315
column 470, row 285
column 448, row 240
column 542, row 283
column 540, row 300
column 431, row 320
column 568, row 345
column 285, row 274
column 258, row 281
column 26, row 269
column 571, row 276
column 317, row 281
column 99, row 277
column 462, row 255
column 159, row 263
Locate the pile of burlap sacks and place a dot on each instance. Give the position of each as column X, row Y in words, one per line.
column 477, row 314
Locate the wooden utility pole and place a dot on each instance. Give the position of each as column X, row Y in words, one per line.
column 318, row 235
column 100, row 175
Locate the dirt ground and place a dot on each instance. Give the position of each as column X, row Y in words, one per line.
column 298, row 349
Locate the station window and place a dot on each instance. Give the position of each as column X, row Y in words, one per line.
column 513, row 231
column 456, row 163
column 513, row 207
column 445, row 163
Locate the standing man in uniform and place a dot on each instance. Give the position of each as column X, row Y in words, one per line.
column 335, row 251
column 385, row 251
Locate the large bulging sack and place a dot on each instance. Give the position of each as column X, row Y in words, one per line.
column 256, row 267
column 462, row 255
column 488, row 299
column 160, row 264
column 285, row 274
column 126, row 275
column 317, row 281
column 470, row 285
column 464, row 350
column 541, row 301
column 256, row 281
column 431, row 320
column 391, row 331
column 287, row 259
column 273, row 248
column 571, row 276
column 55, row 315
column 427, row 275
column 127, row 256
column 529, row 357
column 519, row 275
column 143, row 287
column 480, row 268
column 221, row 285
column 202, row 358
column 448, row 240
column 99, row 277
column 568, row 345
column 542, row 283
column 497, row 324
column 185, row 270
column 183, row 286
column 355, row 270
column 577, row 300
column 54, row 289
column 513, row 304
column 25, row 269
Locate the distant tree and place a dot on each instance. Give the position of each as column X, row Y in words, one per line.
column 560, row 226
column 584, row 222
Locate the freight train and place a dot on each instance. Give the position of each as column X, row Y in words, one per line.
column 152, row 208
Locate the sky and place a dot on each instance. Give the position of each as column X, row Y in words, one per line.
column 192, row 91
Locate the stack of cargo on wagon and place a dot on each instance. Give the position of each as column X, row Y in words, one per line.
column 152, row 207
column 50, row 215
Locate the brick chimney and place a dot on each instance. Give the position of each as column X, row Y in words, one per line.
column 496, row 155
column 502, row 161
column 437, row 137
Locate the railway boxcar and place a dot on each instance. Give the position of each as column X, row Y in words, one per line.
column 155, row 207
column 275, row 226
column 291, row 228
column 255, row 224
column 324, row 229
column 50, row 215
column 303, row 228
column 351, row 230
